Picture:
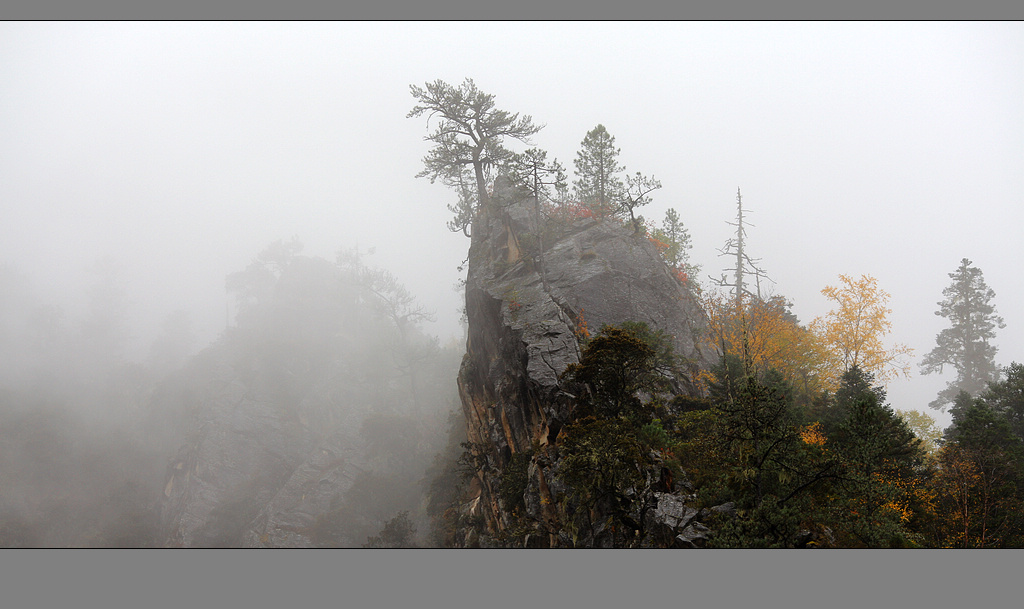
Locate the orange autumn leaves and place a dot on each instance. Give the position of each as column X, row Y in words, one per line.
column 767, row 335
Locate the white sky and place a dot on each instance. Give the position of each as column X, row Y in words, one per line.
column 182, row 149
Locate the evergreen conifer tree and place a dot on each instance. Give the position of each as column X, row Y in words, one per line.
column 965, row 345
column 597, row 167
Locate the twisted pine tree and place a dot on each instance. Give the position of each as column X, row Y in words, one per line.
column 468, row 138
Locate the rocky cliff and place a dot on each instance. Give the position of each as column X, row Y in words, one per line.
column 255, row 472
column 309, row 420
column 535, row 288
column 312, row 421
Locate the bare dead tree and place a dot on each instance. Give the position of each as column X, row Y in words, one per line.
column 744, row 265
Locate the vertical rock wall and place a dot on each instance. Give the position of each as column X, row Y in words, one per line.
column 529, row 302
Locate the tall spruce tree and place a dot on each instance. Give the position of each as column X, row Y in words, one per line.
column 879, row 456
column 965, row 345
column 597, row 167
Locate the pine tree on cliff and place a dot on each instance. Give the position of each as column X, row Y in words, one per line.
column 467, row 142
column 965, row 345
column 597, row 167
column 599, row 187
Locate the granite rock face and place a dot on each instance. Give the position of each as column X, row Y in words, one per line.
column 239, row 455
column 278, row 408
column 290, row 519
column 255, row 474
column 532, row 293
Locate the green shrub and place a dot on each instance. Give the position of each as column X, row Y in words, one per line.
column 514, row 480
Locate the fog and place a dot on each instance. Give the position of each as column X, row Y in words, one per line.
column 320, row 357
column 142, row 164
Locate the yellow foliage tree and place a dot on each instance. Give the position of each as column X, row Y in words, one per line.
column 766, row 335
column 813, row 435
column 924, row 427
column 851, row 334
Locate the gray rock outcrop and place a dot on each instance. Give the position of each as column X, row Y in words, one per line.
column 278, row 409
column 534, row 289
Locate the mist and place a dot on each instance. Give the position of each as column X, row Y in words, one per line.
column 329, row 351
column 152, row 175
